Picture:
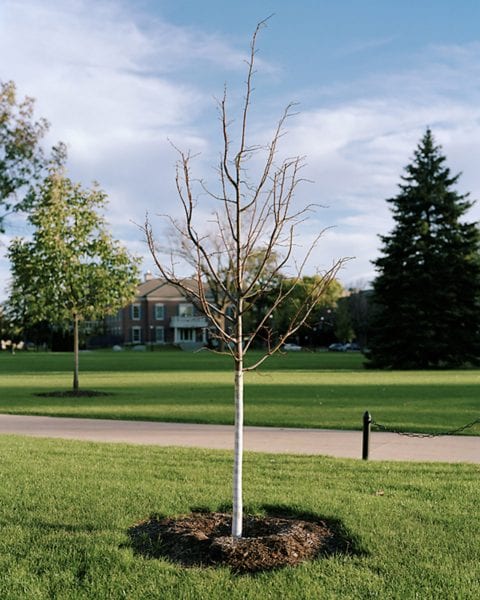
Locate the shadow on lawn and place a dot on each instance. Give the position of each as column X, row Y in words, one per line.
column 72, row 394
column 284, row 536
column 64, row 528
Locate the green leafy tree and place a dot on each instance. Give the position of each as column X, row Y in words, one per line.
column 21, row 156
column 426, row 295
column 298, row 296
column 71, row 270
column 359, row 308
column 343, row 325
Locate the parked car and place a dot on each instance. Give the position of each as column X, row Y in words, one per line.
column 337, row 347
column 352, row 347
column 291, row 348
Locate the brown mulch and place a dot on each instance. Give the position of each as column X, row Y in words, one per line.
column 72, row 394
column 204, row 539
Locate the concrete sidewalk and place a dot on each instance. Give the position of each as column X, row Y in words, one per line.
column 346, row 444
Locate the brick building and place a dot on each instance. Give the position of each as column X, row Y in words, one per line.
column 160, row 314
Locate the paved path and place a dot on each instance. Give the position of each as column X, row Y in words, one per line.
column 348, row 444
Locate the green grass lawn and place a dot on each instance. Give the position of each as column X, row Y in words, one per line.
column 323, row 390
column 66, row 507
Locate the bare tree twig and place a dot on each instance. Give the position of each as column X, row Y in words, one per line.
column 255, row 227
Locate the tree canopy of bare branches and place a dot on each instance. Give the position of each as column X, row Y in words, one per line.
column 256, row 224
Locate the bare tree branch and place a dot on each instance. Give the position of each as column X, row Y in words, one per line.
column 255, row 228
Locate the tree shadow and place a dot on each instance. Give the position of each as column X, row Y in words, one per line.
column 72, row 394
column 59, row 527
column 342, row 541
column 282, row 536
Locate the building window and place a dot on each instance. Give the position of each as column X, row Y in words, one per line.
column 159, row 335
column 136, row 335
column 136, row 312
column 187, row 335
column 113, row 323
column 159, row 312
column 185, row 310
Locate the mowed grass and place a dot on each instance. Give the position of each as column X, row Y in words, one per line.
column 321, row 390
column 66, row 508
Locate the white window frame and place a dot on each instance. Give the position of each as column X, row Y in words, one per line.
column 185, row 309
column 136, row 334
column 137, row 306
column 187, row 335
column 160, row 334
column 159, row 313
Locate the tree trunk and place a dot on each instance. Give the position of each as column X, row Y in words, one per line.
column 237, row 513
column 75, row 352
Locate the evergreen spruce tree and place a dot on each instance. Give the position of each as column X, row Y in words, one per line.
column 427, row 291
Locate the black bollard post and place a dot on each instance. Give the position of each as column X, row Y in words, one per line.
column 367, row 420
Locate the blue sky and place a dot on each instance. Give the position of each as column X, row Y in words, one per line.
column 118, row 79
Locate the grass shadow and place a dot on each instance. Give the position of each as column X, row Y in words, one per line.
column 342, row 541
column 64, row 528
column 282, row 536
column 72, row 394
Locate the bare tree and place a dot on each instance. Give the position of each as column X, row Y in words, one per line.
column 248, row 215
column 177, row 245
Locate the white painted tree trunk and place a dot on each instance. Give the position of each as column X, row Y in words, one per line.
column 237, row 508
column 237, row 513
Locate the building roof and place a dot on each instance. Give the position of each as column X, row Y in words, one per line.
column 159, row 289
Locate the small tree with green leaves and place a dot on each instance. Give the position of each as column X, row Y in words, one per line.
column 72, row 270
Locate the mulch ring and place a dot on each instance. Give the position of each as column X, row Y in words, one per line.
column 204, row 539
column 72, row 394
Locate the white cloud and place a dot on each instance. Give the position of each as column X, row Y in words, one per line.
column 116, row 86
column 357, row 149
column 369, row 44
column 89, row 68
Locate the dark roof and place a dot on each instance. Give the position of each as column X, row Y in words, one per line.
column 159, row 289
